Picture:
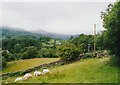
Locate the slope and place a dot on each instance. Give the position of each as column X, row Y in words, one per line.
column 83, row 71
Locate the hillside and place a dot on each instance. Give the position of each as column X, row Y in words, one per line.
column 83, row 71
column 8, row 32
column 25, row 64
column 54, row 35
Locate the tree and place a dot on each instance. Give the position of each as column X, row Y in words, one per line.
column 68, row 51
column 82, row 38
column 50, row 53
column 111, row 22
column 6, row 55
column 17, row 48
column 4, row 62
column 54, row 43
column 100, row 41
column 25, row 55
column 32, row 51
column 11, row 57
column 41, row 53
column 71, row 37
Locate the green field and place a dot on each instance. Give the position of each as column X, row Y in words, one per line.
column 51, row 43
column 14, row 66
column 83, row 71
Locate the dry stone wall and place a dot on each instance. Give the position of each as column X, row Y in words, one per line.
column 36, row 67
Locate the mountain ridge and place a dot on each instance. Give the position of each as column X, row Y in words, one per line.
column 36, row 32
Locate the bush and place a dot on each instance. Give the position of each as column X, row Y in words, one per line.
column 23, row 72
column 68, row 52
column 4, row 62
column 4, row 77
column 11, row 74
column 114, row 61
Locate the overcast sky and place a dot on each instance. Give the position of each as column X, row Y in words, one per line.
column 58, row 17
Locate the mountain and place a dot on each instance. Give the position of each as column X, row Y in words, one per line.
column 10, row 28
column 54, row 35
column 9, row 32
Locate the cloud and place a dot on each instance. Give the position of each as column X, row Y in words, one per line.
column 59, row 17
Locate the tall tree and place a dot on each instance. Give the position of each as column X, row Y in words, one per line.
column 111, row 22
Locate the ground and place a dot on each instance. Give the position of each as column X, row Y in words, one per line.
column 84, row 71
column 14, row 66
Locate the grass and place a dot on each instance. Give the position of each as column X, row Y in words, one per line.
column 83, row 71
column 51, row 43
column 14, row 66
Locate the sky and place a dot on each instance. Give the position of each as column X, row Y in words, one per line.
column 58, row 17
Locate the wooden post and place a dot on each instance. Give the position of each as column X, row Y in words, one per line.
column 88, row 48
column 94, row 40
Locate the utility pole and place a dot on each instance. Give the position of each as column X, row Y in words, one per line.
column 88, row 48
column 94, row 40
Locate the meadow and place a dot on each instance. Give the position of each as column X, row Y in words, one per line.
column 92, row 70
column 14, row 66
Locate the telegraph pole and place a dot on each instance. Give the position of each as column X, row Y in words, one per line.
column 95, row 39
column 88, row 48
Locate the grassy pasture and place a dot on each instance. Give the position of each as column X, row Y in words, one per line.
column 83, row 71
column 14, row 66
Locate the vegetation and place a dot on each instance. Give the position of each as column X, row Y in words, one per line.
column 68, row 51
column 83, row 71
column 84, row 39
column 15, row 48
column 4, row 62
column 7, row 32
column 111, row 19
column 35, row 49
column 14, row 66
column 89, row 56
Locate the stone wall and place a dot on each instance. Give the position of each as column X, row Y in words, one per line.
column 81, row 56
column 36, row 67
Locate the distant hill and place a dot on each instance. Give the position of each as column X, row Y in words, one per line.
column 54, row 35
column 9, row 32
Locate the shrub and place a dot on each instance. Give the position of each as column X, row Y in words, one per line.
column 4, row 77
column 11, row 74
column 114, row 61
column 23, row 72
column 4, row 62
column 68, row 52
